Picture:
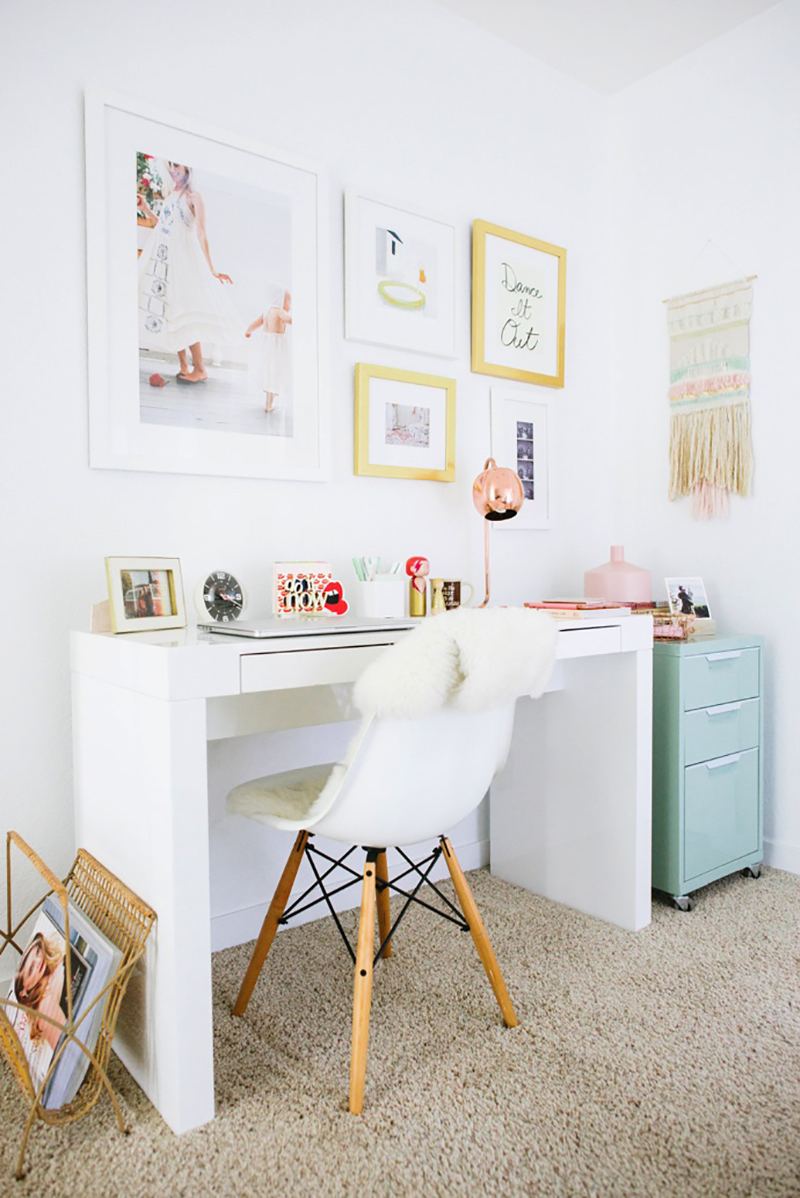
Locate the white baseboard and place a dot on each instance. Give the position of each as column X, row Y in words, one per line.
column 781, row 855
column 238, row 927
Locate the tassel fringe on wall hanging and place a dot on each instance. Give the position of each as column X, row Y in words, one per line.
column 710, row 450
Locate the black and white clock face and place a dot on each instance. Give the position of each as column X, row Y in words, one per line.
column 223, row 597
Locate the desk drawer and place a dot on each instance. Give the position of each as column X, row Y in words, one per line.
column 714, row 678
column 305, row 667
column 718, row 731
column 721, row 812
column 587, row 642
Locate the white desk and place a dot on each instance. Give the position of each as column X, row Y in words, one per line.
column 570, row 814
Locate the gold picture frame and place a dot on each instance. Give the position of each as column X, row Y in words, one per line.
column 405, row 424
column 145, row 593
column 518, row 306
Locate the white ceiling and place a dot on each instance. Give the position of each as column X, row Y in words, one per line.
column 608, row 44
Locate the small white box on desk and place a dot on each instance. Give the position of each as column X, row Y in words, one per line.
column 384, row 595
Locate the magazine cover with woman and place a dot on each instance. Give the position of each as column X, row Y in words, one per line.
column 39, row 987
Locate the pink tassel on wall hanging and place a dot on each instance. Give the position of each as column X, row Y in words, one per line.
column 710, row 450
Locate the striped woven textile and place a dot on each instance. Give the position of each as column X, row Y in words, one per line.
column 709, row 396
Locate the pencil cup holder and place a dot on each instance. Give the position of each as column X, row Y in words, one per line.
column 382, row 596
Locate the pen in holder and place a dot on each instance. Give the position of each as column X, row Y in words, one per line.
column 383, row 595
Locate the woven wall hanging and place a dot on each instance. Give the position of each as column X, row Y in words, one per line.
column 710, row 450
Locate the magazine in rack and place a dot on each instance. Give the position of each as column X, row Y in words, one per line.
column 40, row 986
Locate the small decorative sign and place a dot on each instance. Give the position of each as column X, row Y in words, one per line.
column 518, row 306
column 307, row 589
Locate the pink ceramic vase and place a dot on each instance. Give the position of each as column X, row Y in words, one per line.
column 618, row 580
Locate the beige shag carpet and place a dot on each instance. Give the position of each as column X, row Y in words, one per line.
column 664, row 1063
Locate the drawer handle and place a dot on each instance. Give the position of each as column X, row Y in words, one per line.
column 723, row 709
column 730, row 760
column 723, row 656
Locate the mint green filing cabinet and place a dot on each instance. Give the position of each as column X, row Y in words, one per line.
column 707, row 762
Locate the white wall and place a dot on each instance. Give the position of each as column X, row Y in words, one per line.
column 707, row 150
column 400, row 98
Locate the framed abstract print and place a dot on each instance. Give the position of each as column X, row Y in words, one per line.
column 400, row 285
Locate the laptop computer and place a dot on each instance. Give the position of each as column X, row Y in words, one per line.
column 277, row 626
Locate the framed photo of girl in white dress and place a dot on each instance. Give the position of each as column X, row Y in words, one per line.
column 205, row 272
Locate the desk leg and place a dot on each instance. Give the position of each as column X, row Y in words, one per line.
column 571, row 812
column 142, row 809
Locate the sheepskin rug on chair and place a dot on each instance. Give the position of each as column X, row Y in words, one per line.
column 470, row 658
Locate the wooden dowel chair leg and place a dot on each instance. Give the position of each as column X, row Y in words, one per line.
column 481, row 939
column 270, row 924
column 384, row 914
column 362, row 986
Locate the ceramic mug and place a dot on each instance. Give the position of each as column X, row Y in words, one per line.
column 453, row 592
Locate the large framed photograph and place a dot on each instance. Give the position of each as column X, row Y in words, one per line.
column 405, row 424
column 145, row 593
column 400, row 285
column 518, row 306
column 207, row 296
column 521, row 441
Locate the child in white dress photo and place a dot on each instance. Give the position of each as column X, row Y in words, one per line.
column 273, row 355
column 183, row 300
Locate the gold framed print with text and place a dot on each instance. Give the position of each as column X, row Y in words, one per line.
column 405, row 424
column 518, row 306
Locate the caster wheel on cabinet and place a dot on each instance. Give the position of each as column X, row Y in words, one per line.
column 751, row 871
column 682, row 902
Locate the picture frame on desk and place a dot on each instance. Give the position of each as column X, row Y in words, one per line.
column 405, row 424
column 518, row 306
column 207, row 290
column 520, row 439
column 400, row 277
column 145, row 593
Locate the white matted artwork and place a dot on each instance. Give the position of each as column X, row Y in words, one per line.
column 206, row 285
column 404, row 424
column 399, row 277
column 521, row 441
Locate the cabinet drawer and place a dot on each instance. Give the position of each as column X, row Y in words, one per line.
column 714, row 678
column 721, row 812
column 717, row 731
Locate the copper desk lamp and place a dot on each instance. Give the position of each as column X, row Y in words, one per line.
column 497, row 495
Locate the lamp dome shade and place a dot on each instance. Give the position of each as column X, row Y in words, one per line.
column 497, row 492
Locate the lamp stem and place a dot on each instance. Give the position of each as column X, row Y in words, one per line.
column 485, row 562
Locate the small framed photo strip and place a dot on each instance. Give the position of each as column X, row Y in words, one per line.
column 687, row 597
column 518, row 306
column 405, row 424
column 145, row 593
column 400, row 286
column 521, row 441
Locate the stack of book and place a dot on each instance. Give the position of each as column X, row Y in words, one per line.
column 579, row 609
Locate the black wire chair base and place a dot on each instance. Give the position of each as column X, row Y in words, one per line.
column 422, row 868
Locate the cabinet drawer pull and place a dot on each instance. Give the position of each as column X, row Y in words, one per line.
column 730, row 760
column 724, row 709
column 723, row 656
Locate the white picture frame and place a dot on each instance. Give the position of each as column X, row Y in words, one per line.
column 686, row 595
column 514, row 414
column 264, row 216
column 400, row 277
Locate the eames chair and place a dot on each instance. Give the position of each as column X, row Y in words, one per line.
column 440, row 711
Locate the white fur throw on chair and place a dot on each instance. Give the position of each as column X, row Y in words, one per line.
column 470, row 658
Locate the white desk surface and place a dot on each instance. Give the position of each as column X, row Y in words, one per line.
column 570, row 814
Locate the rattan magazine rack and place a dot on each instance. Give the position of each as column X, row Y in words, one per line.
column 126, row 921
